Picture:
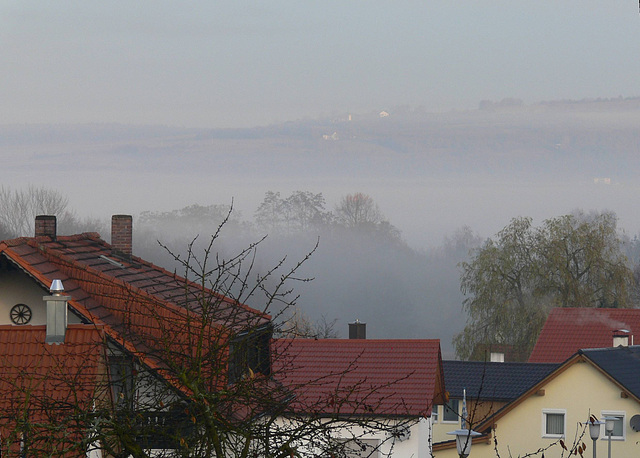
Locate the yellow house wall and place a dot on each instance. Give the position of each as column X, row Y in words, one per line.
column 581, row 390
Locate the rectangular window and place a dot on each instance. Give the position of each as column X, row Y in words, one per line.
column 434, row 413
column 450, row 414
column 618, row 432
column 553, row 423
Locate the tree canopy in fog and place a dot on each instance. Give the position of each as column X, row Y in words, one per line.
column 299, row 212
column 363, row 271
column 512, row 281
column 358, row 210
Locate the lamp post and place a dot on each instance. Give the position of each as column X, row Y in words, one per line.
column 463, row 440
column 608, row 427
column 594, row 432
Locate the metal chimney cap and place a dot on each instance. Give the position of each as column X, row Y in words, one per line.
column 56, row 287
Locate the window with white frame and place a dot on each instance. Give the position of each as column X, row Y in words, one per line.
column 619, row 427
column 554, row 423
column 434, row 413
column 450, row 412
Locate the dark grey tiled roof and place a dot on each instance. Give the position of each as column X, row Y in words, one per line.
column 621, row 363
column 492, row 381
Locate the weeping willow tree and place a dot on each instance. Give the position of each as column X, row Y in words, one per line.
column 513, row 280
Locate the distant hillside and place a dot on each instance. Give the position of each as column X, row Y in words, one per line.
column 502, row 136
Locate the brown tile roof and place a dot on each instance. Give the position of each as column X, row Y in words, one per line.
column 360, row 376
column 43, row 386
column 139, row 304
column 568, row 330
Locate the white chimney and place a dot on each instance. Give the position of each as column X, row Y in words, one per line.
column 497, row 357
column 56, row 313
column 621, row 338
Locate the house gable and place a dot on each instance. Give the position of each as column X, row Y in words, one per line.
column 574, row 391
column 489, row 387
column 18, row 288
column 577, row 391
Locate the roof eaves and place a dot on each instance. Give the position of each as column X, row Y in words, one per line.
column 609, row 375
column 444, row 445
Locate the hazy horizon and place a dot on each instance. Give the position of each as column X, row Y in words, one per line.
column 241, row 64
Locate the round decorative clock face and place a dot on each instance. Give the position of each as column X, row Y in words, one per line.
column 20, row 314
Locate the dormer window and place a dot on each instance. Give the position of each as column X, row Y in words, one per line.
column 250, row 352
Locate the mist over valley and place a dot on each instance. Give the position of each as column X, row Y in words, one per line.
column 431, row 174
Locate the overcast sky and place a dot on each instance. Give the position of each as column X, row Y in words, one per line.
column 211, row 63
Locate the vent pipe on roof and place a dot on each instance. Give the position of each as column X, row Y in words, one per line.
column 357, row 330
column 56, row 313
column 621, row 338
column 46, row 226
column 121, row 235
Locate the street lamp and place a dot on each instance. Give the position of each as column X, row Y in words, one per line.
column 463, row 440
column 594, row 432
column 609, row 422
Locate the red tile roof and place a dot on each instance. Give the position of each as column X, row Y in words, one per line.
column 46, row 386
column 139, row 304
column 568, row 330
column 359, row 376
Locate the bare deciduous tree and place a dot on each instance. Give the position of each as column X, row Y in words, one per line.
column 358, row 210
column 19, row 207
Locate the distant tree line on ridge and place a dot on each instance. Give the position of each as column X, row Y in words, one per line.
column 507, row 284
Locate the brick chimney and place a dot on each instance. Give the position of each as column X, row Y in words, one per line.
column 121, row 235
column 46, row 226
